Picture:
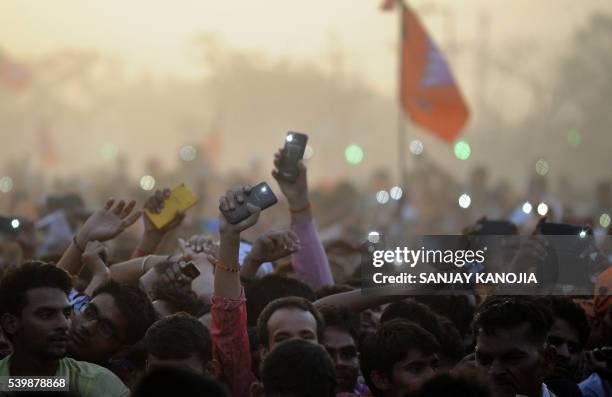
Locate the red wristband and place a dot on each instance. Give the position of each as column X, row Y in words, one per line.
column 296, row 210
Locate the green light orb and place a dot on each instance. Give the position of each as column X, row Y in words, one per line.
column 353, row 154
column 462, row 150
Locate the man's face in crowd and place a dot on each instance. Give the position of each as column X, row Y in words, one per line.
column 514, row 364
column 566, row 341
column 342, row 349
column 409, row 374
column 290, row 323
column 98, row 331
column 42, row 327
column 193, row 363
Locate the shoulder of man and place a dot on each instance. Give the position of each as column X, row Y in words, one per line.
column 92, row 379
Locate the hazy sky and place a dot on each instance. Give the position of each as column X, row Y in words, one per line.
column 158, row 35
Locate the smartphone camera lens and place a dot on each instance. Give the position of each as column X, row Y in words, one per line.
column 289, row 138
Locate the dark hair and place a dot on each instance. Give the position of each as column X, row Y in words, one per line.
column 133, row 304
column 342, row 318
column 332, row 290
column 463, row 384
column 282, row 303
column 415, row 312
column 390, row 344
column 180, row 300
column 500, row 312
column 268, row 288
column 456, row 308
column 451, row 344
column 299, row 369
column 34, row 274
column 569, row 311
column 178, row 336
column 177, row 382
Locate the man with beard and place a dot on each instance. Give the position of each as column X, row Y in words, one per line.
column 511, row 345
column 36, row 316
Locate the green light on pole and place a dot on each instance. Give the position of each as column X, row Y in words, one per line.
column 353, row 154
column 462, row 150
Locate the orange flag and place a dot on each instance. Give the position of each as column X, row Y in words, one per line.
column 428, row 91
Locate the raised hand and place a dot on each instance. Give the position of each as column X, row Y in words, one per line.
column 274, row 245
column 295, row 192
column 95, row 257
column 153, row 236
column 155, row 204
column 108, row 222
column 198, row 247
column 229, row 202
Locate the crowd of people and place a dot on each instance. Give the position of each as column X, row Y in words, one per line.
column 281, row 315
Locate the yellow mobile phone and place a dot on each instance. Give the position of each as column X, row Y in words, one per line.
column 180, row 199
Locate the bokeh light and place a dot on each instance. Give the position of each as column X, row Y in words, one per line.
column 465, row 200
column 574, row 138
column 353, row 154
column 374, row 237
column 109, row 151
column 604, row 220
column 542, row 209
column 542, row 167
column 382, row 196
column 462, row 150
column 188, row 153
column 527, row 207
column 396, row 192
column 416, row 147
column 147, row 182
column 6, row 184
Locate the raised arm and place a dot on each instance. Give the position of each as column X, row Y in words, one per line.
column 102, row 225
column 310, row 262
column 94, row 258
column 229, row 321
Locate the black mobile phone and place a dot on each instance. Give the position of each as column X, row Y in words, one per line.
column 260, row 196
column 565, row 229
column 497, row 228
column 190, row 270
column 293, row 151
column 565, row 253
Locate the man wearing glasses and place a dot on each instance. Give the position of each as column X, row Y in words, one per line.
column 36, row 316
column 117, row 315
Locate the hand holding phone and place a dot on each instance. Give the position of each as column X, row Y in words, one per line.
column 239, row 206
column 292, row 153
column 162, row 208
